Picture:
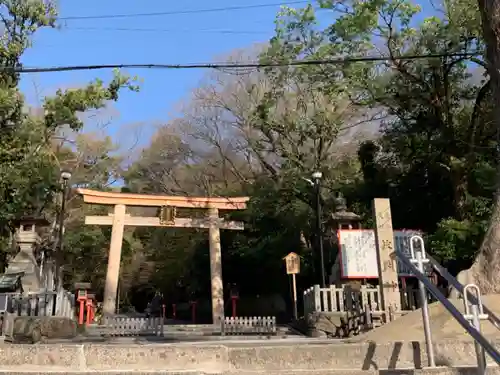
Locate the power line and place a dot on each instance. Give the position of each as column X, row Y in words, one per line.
column 154, row 30
column 254, row 65
column 179, row 12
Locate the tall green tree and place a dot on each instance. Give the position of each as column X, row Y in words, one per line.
column 435, row 155
column 485, row 270
column 29, row 168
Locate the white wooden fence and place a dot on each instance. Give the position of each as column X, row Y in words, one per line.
column 125, row 326
column 242, row 325
column 65, row 304
column 342, row 299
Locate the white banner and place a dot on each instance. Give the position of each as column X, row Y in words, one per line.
column 358, row 254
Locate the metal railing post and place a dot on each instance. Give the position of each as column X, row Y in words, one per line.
column 419, row 258
column 474, row 313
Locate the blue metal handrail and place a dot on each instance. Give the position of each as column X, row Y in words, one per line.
column 474, row 333
column 458, row 286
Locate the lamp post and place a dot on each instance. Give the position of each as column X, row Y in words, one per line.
column 65, row 177
column 316, row 178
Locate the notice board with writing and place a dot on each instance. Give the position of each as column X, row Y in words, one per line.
column 358, row 254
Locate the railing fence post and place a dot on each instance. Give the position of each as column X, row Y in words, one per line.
column 317, row 298
column 474, row 313
column 419, row 258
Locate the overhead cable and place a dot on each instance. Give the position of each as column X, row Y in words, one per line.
column 255, row 65
column 155, row 30
column 179, row 12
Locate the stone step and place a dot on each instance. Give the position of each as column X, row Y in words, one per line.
column 428, row 371
column 242, row 357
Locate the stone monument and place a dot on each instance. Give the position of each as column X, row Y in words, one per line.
column 25, row 261
column 386, row 258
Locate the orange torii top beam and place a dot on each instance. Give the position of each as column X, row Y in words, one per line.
column 128, row 199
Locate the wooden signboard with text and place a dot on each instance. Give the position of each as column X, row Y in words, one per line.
column 358, row 253
column 292, row 262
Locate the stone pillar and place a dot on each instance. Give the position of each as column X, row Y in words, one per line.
column 386, row 258
column 114, row 258
column 216, row 267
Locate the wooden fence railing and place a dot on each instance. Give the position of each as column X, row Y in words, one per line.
column 249, row 325
column 125, row 326
column 342, row 299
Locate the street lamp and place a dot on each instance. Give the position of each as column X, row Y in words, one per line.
column 316, row 183
column 316, row 178
column 65, row 177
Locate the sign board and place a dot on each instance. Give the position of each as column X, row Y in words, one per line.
column 358, row 254
column 167, row 215
column 292, row 262
column 82, row 294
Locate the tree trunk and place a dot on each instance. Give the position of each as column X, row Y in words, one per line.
column 485, row 271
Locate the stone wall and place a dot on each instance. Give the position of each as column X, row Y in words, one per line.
column 265, row 356
column 332, row 324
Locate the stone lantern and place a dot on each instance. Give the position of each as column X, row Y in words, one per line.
column 342, row 218
column 25, row 262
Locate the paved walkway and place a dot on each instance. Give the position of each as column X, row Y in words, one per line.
column 227, row 341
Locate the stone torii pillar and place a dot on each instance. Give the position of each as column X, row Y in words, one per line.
column 114, row 260
column 217, row 288
column 119, row 219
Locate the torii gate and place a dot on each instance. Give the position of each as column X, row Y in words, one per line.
column 120, row 218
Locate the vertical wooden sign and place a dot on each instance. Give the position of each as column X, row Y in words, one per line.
column 386, row 258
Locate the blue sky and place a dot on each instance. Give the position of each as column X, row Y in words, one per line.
column 182, row 38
